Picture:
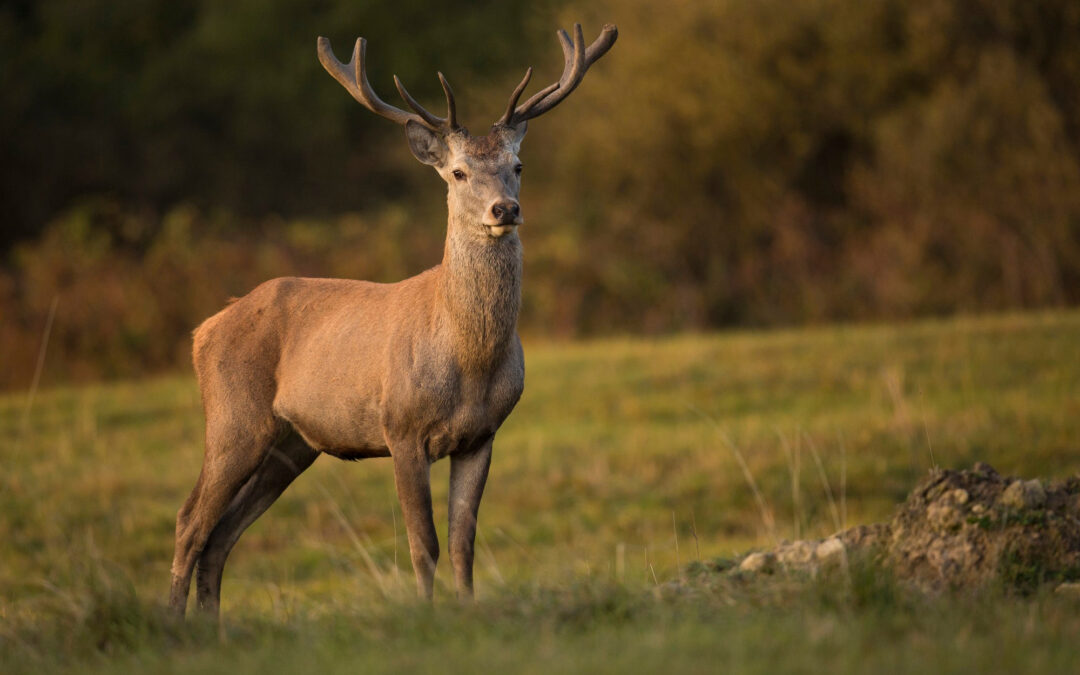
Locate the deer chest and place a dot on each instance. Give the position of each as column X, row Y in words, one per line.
column 448, row 410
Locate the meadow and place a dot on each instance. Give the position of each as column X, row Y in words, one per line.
column 631, row 471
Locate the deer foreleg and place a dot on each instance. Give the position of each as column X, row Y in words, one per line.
column 468, row 474
column 412, row 476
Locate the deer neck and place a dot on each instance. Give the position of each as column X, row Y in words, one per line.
column 481, row 291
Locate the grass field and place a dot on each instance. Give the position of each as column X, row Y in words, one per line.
column 629, row 468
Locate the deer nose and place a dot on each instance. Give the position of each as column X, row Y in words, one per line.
column 506, row 212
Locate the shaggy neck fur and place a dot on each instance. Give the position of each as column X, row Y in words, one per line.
column 481, row 290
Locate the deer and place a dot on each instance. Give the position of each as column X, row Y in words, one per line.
column 416, row 371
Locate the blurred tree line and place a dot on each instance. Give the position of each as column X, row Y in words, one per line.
column 221, row 104
column 729, row 163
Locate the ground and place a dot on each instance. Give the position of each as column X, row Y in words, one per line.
column 957, row 530
column 634, row 477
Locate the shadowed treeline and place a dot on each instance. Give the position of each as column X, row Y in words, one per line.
column 729, row 163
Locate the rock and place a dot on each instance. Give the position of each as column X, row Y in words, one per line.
column 958, row 496
column 796, row 554
column 1024, row 494
column 943, row 517
column 758, row 562
column 865, row 537
column 831, row 552
column 1036, row 492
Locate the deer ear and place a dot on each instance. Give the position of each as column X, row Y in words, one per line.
column 426, row 145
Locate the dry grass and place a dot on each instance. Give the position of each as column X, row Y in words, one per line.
column 626, row 461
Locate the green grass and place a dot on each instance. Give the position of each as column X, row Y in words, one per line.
column 625, row 461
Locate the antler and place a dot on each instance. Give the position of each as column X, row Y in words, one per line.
column 353, row 76
column 577, row 61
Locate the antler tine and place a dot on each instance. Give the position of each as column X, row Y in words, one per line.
column 573, row 70
column 451, row 106
column 566, row 43
column 432, row 120
column 600, row 46
column 505, row 119
column 353, row 76
column 577, row 59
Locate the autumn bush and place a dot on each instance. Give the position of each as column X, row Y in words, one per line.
column 730, row 163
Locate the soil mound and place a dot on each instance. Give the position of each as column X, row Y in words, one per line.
column 960, row 529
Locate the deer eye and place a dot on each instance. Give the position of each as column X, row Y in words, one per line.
column 518, row 168
column 458, row 174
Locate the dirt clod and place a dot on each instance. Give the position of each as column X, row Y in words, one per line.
column 831, row 552
column 964, row 529
column 1024, row 494
column 758, row 562
column 797, row 553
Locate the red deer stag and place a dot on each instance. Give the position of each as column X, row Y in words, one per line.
column 425, row 368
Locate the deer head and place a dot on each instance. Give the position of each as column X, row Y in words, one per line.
column 483, row 173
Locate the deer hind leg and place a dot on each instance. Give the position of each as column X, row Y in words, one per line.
column 281, row 465
column 232, row 456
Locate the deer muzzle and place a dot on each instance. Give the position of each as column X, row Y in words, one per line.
column 502, row 217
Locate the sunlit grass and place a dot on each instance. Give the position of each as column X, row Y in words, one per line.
column 622, row 461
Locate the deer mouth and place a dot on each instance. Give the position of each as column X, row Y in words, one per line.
column 497, row 231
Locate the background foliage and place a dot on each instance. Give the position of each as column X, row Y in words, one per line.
column 729, row 163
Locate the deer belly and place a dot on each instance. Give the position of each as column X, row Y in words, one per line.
column 353, row 454
column 336, row 428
